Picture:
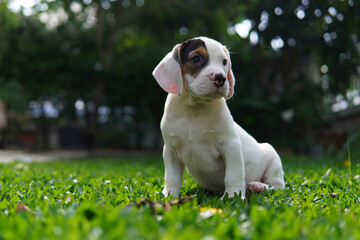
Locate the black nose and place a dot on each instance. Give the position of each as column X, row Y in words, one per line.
column 219, row 80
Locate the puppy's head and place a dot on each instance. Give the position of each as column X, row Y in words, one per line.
column 201, row 65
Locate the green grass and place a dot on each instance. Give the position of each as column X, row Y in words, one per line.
column 100, row 199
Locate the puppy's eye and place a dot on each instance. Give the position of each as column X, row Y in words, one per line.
column 224, row 62
column 196, row 59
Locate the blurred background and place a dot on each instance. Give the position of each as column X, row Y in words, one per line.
column 76, row 74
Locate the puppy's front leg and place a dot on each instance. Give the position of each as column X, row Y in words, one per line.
column 174, row 169
column 234, row 170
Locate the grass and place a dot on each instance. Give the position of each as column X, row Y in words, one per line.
column 105, row 199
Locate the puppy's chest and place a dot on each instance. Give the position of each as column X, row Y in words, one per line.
column 195, row 142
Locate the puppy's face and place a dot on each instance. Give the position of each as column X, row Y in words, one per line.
column 202, row 65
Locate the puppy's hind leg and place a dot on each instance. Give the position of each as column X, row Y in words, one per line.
column 273, row 176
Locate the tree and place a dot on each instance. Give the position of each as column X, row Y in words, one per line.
column 302, row 52
column 103, row 52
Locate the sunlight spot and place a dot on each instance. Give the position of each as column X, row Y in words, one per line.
column 325, row 82
column 231, row 30
column 305, row 2
column 278, row 11
column 287, row 115
column 317, row 12
column 332, row 11
column 333, row 35
column 342, row 57
column 243, row 28
column 43, row 17
column 43, row 7
column 80, row 108
column 328, row 19
column 339, row 106
column 354, row 37
column 183, row 31
column 104, row 113
column 75, row 7
column 291, row 42
column 53, row 19
column 254, row 37
column 339, row 97
column 300, row 13
column 340, row 17
column 27, row 11
column 105, row 5
column 264, row 21
column 50, row 110
column 90, row 17
column 98, row 67
column 327, row 38
column 79, row 104
column 277, row 43
column 350, row 93
column 140, row 3
column 324, row 68
column 125, row 3
column 16, row 5
column 356, row 100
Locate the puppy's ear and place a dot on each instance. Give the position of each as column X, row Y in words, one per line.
column 168, row 72
column 230, row 76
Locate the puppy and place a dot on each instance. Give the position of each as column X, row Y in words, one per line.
column 199, row 131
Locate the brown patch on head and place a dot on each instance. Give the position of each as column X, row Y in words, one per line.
column 194, row 57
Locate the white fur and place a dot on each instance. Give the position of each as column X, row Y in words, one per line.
column 201, row 136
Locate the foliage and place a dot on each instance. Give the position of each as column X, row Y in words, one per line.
column 15, row 101
column 94, row 199
column 314, row 35
column 103, row 52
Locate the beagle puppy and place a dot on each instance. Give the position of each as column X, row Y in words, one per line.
column 199, row 131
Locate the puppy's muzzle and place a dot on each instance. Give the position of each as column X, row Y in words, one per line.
column 218, row 79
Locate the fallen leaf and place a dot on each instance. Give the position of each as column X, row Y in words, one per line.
column 333, row 195
column 156, row 207
column 22, row 207
column 179, row 201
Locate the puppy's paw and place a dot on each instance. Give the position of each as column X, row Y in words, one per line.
column 165, row 192
column 257, row 187
column 174, row 192
column 232, row 194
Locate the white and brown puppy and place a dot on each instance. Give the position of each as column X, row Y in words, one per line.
column 199, row 131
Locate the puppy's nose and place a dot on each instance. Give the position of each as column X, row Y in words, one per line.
column 218, row 79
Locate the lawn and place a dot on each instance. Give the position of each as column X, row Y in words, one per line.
column 119, row 199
